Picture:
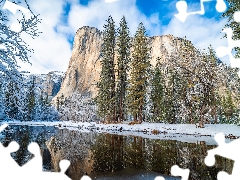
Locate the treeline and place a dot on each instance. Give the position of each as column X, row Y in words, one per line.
column 24, row 101
column 186, row 86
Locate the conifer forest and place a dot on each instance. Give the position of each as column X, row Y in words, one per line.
column 187, row 86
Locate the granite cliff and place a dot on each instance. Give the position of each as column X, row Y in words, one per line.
column 49, row 83
column 84, row 66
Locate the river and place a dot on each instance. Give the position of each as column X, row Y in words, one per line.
column 106, row 156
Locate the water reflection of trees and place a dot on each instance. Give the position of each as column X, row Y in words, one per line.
column 24, row 135
column 113, row 153
column 91, row 152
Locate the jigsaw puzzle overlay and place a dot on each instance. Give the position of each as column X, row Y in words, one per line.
column 33, row 169
column 220, row 7
column 13, row 8
column 227, row 150
column 182, row 9
column 223, row 51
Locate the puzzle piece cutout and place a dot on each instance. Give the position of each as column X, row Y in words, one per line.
column 182, row 9
column 33, row 168
column 177, row 171
column 86, row 178
column 13, row 8
column 223, row 51
column 5, row 168
column 227, row 150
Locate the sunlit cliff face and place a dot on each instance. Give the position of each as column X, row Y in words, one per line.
column 75, row 147
column 84, row 68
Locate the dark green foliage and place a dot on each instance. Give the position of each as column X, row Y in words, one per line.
column 158, row 95
column 188, row 86
column 228, row 108
column 11, row 100
column 60, row 102
column 173, row 96
column 139, row 75
column 106, row 98
column 123, row 58
column 233, row 6
column 31, row 101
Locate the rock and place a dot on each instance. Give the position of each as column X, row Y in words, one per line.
column 50, row 83
column 84, row 66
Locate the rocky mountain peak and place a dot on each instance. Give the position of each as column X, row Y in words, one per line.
column 84, row 66
column 49, row 83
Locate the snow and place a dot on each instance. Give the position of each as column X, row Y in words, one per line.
column 180, row 132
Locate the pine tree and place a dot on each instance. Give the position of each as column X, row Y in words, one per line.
column 233, row 6
column 228, row 108
column 2, row 106
column 39, row 105
column 106, row 98
column 170, row 97
column 139, row 75
column 14, row 100
column 123, row 49
column 31, row 99
column 11, row 101
column 158, row 94
column 214, row 78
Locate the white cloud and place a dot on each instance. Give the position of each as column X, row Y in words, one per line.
column 51, row 49
column 110, row 1
column 199, row 30
column 97, row 12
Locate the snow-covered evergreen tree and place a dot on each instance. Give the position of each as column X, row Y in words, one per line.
column 123, row 59
column 11, row 100
column 2, row 101
column 44, row 111
column 106, row 98
column 13, row 47
column 139, row 75
column 158, row 94
column 38, row 103
column 31, row 99
column 14, row 101
column 77, row 108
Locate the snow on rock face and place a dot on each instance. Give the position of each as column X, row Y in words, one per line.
column 50, row 83
column 53, row 82
column 84, row 66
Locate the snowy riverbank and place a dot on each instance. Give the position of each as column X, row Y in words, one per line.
column 180, row 132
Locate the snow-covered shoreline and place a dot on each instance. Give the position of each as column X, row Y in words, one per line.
column 180, row 132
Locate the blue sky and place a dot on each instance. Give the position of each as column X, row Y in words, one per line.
column 62, row 18
column 164, row 8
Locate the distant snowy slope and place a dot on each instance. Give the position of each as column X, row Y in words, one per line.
column 49, row 83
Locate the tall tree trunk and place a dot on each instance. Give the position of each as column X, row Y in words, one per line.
column 135, row 118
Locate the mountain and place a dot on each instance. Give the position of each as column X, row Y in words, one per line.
column 49, row 83
column 84, row 66
column 196, row 74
